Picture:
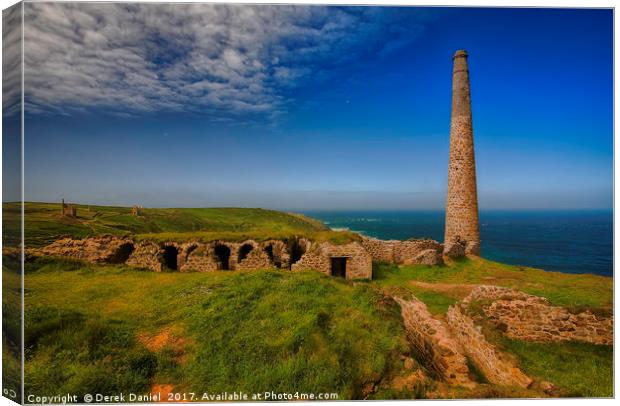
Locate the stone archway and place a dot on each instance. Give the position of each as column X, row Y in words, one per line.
column 244, row 250
column 170, row 257
column 122, row 253
column 190, row 249
column 275, row 259
column 297, row 250
column 222, row 257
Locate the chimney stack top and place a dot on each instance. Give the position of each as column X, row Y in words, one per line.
column 461, row 53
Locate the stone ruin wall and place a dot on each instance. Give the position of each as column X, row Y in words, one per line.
column 312, row 259
column 532, row 318
column 443, row 344
column 279, row 253
column 146, row 255
column 455, row 248
column 444, row 347
column 496, row 367
column 198, row 257
column 201, row 257
column 418, row 252
column 318, row 257
column 359, row 261
column 100, row 249
column 408, row 252
column 433, row 344
column 255, row 259
column 68, row 209
column 381, row 250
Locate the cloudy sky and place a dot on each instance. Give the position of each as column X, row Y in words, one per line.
column 312, row 107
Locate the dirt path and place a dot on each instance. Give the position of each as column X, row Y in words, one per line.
column 459, row 290
column 169, row 337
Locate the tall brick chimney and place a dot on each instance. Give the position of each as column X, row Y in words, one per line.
column 462, row 201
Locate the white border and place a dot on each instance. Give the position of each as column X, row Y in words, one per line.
column 462, row 3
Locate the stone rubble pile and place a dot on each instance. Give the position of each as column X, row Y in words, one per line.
column 99, row 249
column 533, row 318
column 443, row 345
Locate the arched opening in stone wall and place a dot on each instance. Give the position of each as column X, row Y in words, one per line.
column 276, row 260
column 222, row 255
column 122, row 254
column 189, row 250
column 297, row 250
column 244, row 251
column 171, row 254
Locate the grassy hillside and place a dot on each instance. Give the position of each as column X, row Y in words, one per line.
column 95, row 328
column 44, row 224
column 105, row 329
column 445, row 285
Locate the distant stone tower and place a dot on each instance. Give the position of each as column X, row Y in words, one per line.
column 462, row 201
column 68, row 210
column 136, row 211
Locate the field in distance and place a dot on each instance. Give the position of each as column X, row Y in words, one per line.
column 44, row 223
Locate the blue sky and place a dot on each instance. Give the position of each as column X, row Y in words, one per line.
column 314, row 107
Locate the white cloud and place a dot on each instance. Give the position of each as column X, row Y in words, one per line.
column 217, row 60
column 11, row 59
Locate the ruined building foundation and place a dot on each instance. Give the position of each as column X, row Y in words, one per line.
column 67, row 209
column 350, row 261
column 462, row 201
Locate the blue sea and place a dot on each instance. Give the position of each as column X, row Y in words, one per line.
column 564, row 241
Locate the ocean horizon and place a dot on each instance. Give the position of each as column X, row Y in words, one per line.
column 569, row 241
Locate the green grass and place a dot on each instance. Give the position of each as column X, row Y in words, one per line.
column 574, row 291
column 44, row 224
column 398, row 280
column 11, row 326
column 578, row 369
column 258, row 330
column 74, row 353
column 252, row 331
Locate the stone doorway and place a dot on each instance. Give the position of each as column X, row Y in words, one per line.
column 122, row 254
column 272, row 257
column 171, row 254
column 244, row 251
column 222, row 255
column 339, row 266
column 296, row 250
